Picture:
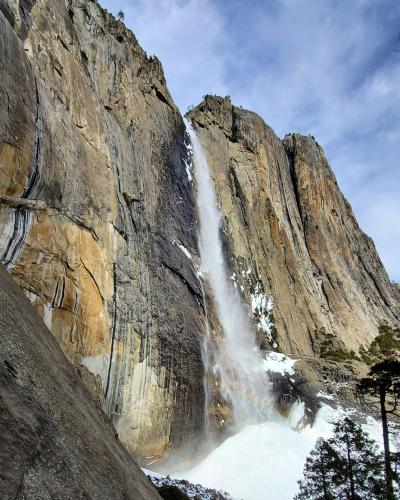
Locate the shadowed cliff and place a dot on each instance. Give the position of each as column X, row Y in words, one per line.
column 55, row 440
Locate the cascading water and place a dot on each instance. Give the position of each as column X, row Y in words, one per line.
column 236, row 360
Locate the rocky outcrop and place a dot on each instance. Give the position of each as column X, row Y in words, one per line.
column 97, row 211
column 291, row 235
column 55, row 440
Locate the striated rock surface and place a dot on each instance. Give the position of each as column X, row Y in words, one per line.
column 55, row 441
column 97, row 213
column 291, row 235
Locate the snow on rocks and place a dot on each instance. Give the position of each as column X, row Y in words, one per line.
column 325, row 395
column 191, row 490
column 261, row 307
column 261, row 304
column 184, row 249
column 277, row 362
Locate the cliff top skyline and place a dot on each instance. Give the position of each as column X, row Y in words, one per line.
column 324, row 69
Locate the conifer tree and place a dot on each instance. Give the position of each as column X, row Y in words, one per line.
column 383, row 382
column 347, row 466
column 361, row 463
column 319, row 473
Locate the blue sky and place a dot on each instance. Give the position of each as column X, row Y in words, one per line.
column 329, row 68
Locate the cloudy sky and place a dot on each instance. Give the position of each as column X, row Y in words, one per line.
column 329, row 68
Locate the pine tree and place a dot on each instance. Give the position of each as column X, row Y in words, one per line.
column 383, row 382
column 395, row 461
column 361, row 464
column 121, row 15
column 347, row 466
column 319, row 472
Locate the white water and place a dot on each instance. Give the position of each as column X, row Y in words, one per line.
column 235, row 359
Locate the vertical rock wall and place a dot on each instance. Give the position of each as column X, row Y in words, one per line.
column 96, row 207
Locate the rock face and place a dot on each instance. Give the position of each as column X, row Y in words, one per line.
column 290, row 234
column 55, row 441
column 98, row 221
column 97, row 211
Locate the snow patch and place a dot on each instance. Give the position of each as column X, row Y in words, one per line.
column 196, row 491
column 247, row 274
column 277, row 362
column 261, row 307
column 233, row 278
column 199, row 272
column 184, row 250
column 98, row 365
column 325, row 395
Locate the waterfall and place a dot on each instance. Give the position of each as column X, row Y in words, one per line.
column 234, row 360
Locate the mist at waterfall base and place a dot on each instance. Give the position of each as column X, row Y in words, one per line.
column 262, row 461
column 264, row 457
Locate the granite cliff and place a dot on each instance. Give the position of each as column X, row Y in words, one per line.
column 95, row 203
column 98, row 223
column 292, row 234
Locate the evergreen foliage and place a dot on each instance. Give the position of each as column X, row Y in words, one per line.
column 319, row 473
column 385, row 345
column 347, row 466
column 383, row 383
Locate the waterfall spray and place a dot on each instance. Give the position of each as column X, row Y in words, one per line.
column 236, row 360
